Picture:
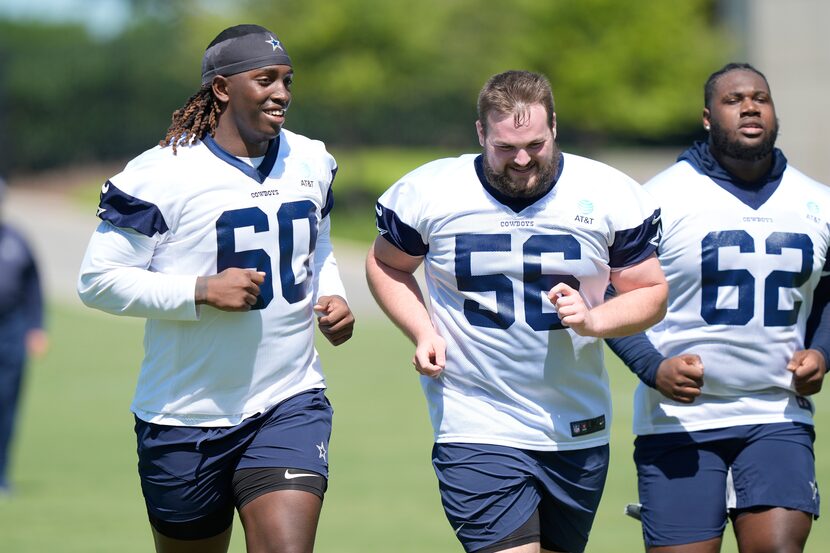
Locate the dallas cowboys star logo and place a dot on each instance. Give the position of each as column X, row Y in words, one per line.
column 322, row 449
column 275, row 44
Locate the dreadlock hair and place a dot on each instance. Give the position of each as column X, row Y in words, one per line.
column 195, row 119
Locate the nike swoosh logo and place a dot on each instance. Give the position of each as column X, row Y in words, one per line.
column 655, row 220
column 105, row 187
column 457, row 530
column 378, row 210
column 292, row 475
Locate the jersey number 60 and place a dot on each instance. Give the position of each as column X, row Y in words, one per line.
column 228, row 257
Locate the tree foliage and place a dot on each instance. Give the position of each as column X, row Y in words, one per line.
column 367, row 71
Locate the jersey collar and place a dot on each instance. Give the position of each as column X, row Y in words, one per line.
column 753, row 194
column 516, row 204
column 260, row 173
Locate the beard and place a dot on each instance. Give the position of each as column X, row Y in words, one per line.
column 519, row 189
column 736, row 150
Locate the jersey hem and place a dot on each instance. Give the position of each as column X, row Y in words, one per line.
column 715, row 424
column 207, row 421
column 548, row 446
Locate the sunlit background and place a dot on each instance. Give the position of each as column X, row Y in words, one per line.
column 85, row 85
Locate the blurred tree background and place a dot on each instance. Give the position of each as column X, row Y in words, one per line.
column 368, row 72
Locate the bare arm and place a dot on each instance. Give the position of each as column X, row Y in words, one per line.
column 680, row 378
column 808, row 367
column 335, row 319
column 389, row 272
column 231, row 290
column 641, row 302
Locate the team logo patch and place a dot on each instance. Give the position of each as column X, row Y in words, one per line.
column 587, row 426
column 379, row 220
column 275, row 44
column 804, row 403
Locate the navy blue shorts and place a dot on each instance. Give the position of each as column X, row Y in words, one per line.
column 187, row 472
column 490, row 491
column 684, row 478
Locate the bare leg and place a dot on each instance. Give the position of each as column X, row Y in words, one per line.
column 216, row 544
column 528, row 548
column 706, row 546
column 282, row 521
column 775, row 530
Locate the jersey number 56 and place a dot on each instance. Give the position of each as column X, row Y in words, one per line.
column 535, row 283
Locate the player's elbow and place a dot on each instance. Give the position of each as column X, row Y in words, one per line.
column 93, row 289
column 659, row 300
column 638, row 310
column 662, row 301
column 88, row 288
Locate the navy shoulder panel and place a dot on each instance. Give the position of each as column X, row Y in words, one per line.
column 125, row 211
column 634, row 245
column 404, row 237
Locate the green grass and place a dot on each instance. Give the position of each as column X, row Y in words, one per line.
column 74, row 463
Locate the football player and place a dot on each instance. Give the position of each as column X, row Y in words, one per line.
column 219, row 236
column 519, row 244
column 722, row 416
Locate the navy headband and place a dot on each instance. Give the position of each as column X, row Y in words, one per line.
column 242, row 48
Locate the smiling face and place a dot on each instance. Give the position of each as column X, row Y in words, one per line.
column 254, row 107
column 520, row 154
column 741, row 117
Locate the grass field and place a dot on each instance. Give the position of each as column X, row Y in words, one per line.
column 74, row 464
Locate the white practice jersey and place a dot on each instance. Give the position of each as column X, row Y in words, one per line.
column 514, row 375
column 170, row 218
column 741, row 276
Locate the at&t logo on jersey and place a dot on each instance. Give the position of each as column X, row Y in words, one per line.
column 813, row 212
column 585, row 208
